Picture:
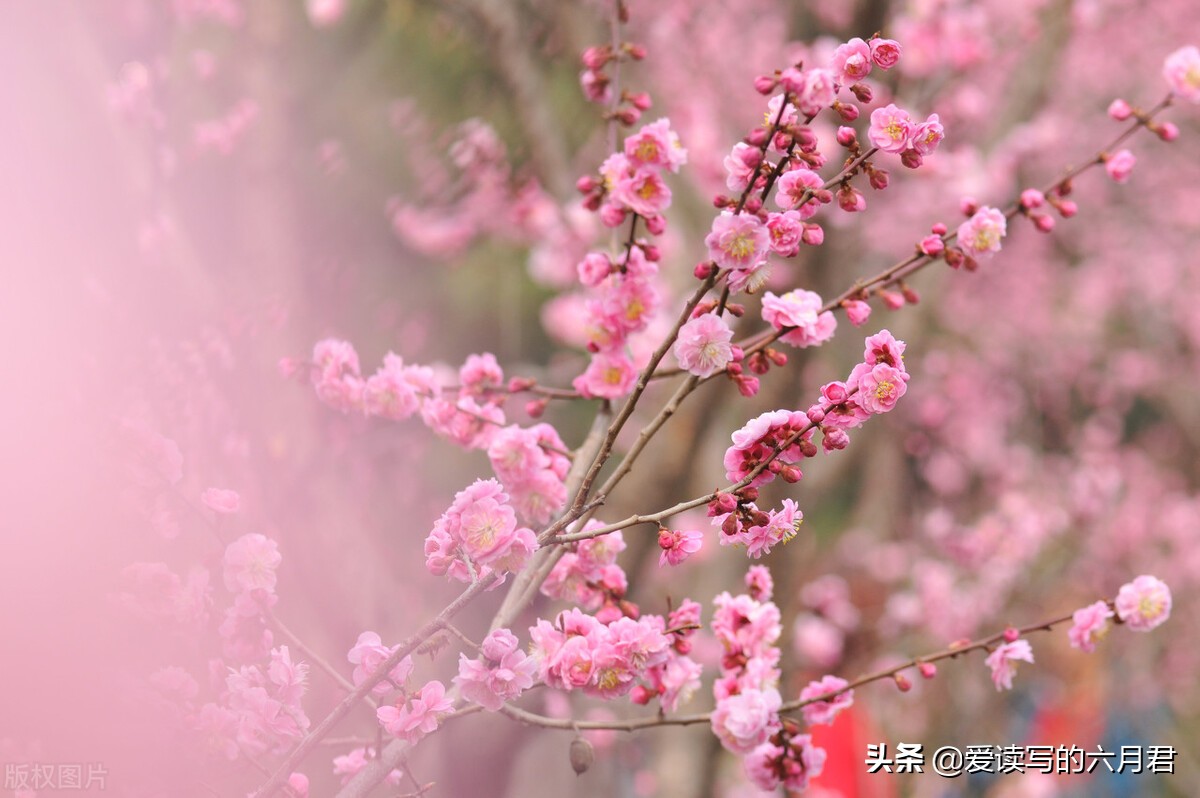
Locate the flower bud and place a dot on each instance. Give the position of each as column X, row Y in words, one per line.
column 582, row 755
column 912, row 159
column 535, row 407
column 1032, row 198
column 1012, row 634
column 765, row 84
column 656, row 224
column 847, row 111
column 1120, row 110
column 1167, row 131
column 640, row 100
column 596, row 57
column 902, row 682
column 932, row 246
column 1043, row 221
column 939, row 229
column 862, row 92
column 893, row 300
column 927, row 669
column 846, row 136
column 586, row 183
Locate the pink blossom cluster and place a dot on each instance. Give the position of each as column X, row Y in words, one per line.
column 417, row 715
column 250, row 564
column 894, row 130
column 623, row 293
column 824, row 711
column 580, row 652
column 874, row 386
column 674, row 680
column 590, row 577
column 368, row 654
column 478, row 535
column 632, row 181
column 532, row 466
column 259, row 711
column 746, row 719
column 468, row 416
column 500, row 673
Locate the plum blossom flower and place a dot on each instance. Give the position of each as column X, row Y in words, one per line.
column 678, row 545
column 879, row 386
column 1089, row 625
column 1144, row 603
column 1119, row 165
column 250, row 563
column 608, row 376
column 801, row 311
column 656, row 145
column 737, row 242
column 1003, row 662
column 927, row 136
column 501, row 673
column 852, row 60
column 419, row 716
column 891, row 128
column 825, row 711
column 481, row 526
column 980, row 235
column 220, row 500
column 1182, row 72
column 703, row 346
column 744, row 721
column 885, row 53
column 368, row 654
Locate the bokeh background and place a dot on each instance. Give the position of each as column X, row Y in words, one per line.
column 191, row 190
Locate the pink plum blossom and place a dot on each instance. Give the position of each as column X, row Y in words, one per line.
column 1003, row 662
column 703, row 346
column 250, row 563
column 1089, row 625
column 824, row 712
column 1119, row 165
column 368, row 654
column 801, row 311
column 501, row 673
column 891, row 128
column 980, row 235
column 608, row 376
column 678, row 545
column 852, row 60
column 419, row 716
column 1182, row 72
column 885, row 53
column 744, row 721
column 737, row 242
column 1144, row 603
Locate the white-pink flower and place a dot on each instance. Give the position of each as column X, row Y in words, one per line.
column 1089, row 625
column 1144, row 603
column 1182, row 72
column 501, row 673
column 368, row 654
column 703, row 346
column 1003, row 662
column 980, row 235
column 825, row 711
column 744, row 721
column 801, row 311
column 250, row 563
